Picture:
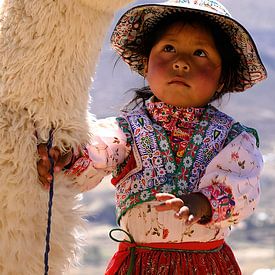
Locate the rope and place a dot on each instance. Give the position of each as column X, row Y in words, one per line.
column 132, row 249
column 50, row 204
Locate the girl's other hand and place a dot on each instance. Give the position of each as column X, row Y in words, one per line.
column 190, row 208
column 43, row 165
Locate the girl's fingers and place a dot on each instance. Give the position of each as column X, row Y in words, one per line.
column 43, row 167
column 45, row 184
column 183, row 213
column 192, row 219
column 63, row 161
column 42, row 151
column 164, row 196
column 44, row 164
column 43, row 174
column 55, row 154
column 170, row 204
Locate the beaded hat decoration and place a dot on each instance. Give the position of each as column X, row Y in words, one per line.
column 128, row 35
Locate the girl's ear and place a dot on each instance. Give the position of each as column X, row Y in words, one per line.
column 145, row 63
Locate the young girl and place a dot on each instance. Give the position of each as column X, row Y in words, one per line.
column 184, row 172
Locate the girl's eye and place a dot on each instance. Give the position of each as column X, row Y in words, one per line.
column 200, row 53
column 169, row 48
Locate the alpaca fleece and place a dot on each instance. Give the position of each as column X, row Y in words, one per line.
column 48, row 53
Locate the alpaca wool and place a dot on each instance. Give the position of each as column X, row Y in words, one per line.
column 48, row 55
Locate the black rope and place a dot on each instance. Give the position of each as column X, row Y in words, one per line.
column 132, row 249
column 50, row 204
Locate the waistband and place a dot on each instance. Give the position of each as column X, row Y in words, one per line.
column 129, row 247
column 192, row 247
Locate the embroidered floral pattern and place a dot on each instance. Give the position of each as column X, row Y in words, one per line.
column 80, row 165
column 160, row 171
column 124, row 127
column 204, row 142
column 179, row 124
column 221, row 200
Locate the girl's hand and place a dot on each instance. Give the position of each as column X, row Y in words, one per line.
column 190, row 208
column 43, row 165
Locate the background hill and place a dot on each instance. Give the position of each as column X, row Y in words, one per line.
column 253, row 241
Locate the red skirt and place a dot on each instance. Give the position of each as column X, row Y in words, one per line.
column 194, row 258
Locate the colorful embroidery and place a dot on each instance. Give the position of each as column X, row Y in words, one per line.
column 80, row 165
column 179, row 124
column 221, row 200
column 123, row 124
column 160, row 172
column 237, row 129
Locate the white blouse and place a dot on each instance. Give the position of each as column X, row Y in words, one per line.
column 237, row 168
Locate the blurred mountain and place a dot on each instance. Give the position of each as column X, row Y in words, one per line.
column 253, row 240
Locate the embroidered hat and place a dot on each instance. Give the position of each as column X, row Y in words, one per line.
column 128, row 35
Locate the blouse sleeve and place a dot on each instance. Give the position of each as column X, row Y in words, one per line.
column 108, row 148
column 231, row 181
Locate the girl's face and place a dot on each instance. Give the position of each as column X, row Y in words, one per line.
column 184, row 66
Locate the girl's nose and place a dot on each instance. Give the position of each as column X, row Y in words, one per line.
column 181, row 65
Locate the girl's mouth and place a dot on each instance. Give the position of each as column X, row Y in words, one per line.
column 178, row 81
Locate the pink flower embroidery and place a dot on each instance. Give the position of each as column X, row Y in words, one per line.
column 234, row 156
column 246, row 136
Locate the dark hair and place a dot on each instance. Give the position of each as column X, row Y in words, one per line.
column 229, row 56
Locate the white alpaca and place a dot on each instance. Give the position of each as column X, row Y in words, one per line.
column 48, row 51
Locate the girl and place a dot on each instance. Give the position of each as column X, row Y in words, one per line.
column 184, row 172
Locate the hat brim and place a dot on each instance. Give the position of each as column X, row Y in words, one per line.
column 129, row 32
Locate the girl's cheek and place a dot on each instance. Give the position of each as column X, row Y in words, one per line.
column 163, row 64
column 157, row 66
column 208, row 70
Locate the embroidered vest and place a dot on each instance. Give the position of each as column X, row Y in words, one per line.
column 157, row 170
